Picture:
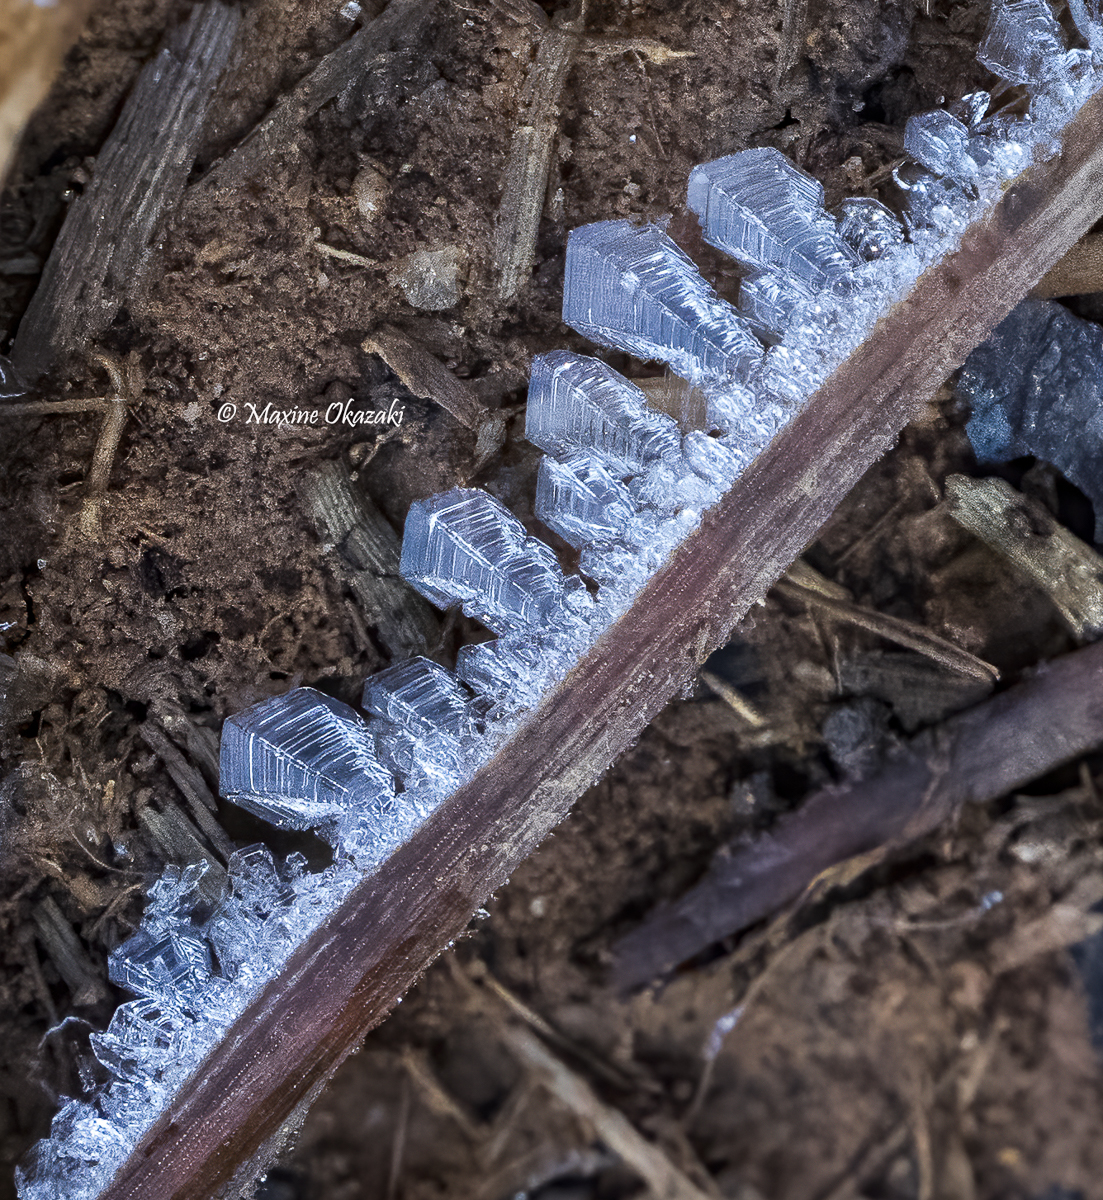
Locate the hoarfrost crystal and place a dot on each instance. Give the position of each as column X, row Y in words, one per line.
column 582, row 501
column 624, row 487
column 301, row 760
column 464, row 547
column 581, row 405
column 630, row 287
column 763, row 211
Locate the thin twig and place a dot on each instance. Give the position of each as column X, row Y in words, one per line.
column 895, row 629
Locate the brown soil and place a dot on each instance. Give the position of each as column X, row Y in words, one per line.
column 897, row 1041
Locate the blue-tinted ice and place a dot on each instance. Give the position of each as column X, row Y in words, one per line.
column 630, row 287
column 464, row 547
column 765, row 212
column 301, row 760
column 579, row 405
column 624, row 487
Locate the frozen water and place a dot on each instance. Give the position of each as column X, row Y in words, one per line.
column 300, row 760
column 1036, row 387
column 144, row 1039
column 1088, row 17
column 1023, row 42
column 763, row 211
column 770, row 301
column 420, row 696
column 630, row 287
column 971, row 108
column 169, row 967
column 84, row 1150
column 869, row 228
column 941, row 143
column 464, row 547
column 625, row 488
column 581, row 405
column 582, row 501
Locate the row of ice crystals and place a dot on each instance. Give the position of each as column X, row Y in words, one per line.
column 621, row 484
column 193, row 971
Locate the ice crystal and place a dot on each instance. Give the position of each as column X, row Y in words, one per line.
column 582, row 501
column 630, row 287
column 301, row 760
column 1023, row 42
column 11, row 385
column 624, row 487
column 869, row 228
column 765, row 212
column 941, row 143
column 464, row 547
column 579, row 405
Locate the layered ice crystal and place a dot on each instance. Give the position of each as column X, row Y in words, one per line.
column 940, row 142
column 582, row 501
column 301, row 760
column 869, row 228
column 464, row 547
column 629, row 287
column 421, row 696
column 1024, row 42
column 765, row 212
column 579, row 405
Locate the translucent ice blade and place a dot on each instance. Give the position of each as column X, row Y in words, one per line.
column 169, row 968
column 143, row 1039
column 420, row 696
column 941, row 143
column 630, row 287
column 580, row 405
column 582, row 501
column 763, row 211
column 510, row 670
column 1023, row 42
column 769, row 301
column 463, row 547
column 11, row 385
column 299, row 760
column 869, row 228
column 1088, row 18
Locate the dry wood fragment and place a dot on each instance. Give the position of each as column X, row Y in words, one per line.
column 426, row 376
column 49, row 408
column 402, row 23
column 177, row 839
column 665, row 1181
column 67, row 953
column 530, row 156
column 1019, row 528
column 100, row 258
column 977, row 755
column 368, row 550
column 192, row 786
column 533, row 144
column 226, row 1122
